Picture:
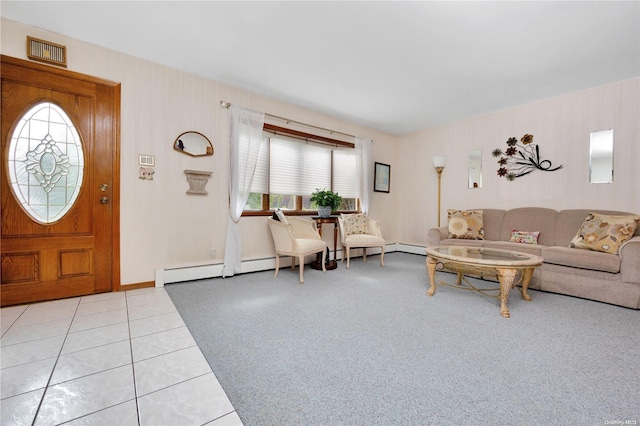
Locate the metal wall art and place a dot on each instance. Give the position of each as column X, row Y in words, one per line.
column 521, row 158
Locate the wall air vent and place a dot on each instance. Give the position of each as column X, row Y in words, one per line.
column 45, row 51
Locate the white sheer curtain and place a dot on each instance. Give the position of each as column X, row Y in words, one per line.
column 364, row 167
column 245, row 135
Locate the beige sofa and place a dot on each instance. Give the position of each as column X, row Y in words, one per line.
column 609, row 278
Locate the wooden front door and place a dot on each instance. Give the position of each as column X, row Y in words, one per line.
column 59, row 183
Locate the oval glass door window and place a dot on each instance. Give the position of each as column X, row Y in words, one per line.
column 46, row 162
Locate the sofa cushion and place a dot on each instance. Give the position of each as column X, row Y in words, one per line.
column 465, row 224
column 570, row 221
column 605, row 233
column 492, row 223
column 524, row 248
column 536, row 219
column 467, row 243
column 584, row 259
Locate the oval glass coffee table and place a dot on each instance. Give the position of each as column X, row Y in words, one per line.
column 505, row 264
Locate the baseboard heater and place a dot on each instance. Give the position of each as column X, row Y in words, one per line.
column 183, row 273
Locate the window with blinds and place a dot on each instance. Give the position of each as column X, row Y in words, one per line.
column 289, row 170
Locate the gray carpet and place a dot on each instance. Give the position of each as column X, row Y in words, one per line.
column 366, row 346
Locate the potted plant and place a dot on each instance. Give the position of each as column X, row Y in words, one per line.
column 326, row 201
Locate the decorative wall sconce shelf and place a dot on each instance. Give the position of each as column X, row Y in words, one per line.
column 198, row 180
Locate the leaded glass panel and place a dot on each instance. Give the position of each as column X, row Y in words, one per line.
column 46, row 162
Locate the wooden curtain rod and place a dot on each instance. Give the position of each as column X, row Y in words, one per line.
column 303, row 135
column 226, row 104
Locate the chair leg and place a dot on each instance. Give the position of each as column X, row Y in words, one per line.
column 277, row 265
column 382, row 256
column 301, row 269
column 364, row 254
column 293, row 263
column 348, row 256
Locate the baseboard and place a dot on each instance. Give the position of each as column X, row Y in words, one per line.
column 187, row 273
column 413, row 249
column 136, row 286
column 198, row 272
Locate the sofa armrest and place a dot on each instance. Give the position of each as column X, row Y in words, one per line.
column 438, row 234
column 629, row 253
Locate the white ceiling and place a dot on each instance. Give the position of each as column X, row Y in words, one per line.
column 394, row 66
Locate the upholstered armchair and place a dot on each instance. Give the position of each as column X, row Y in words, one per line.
column 296, row 238
column 359, row 231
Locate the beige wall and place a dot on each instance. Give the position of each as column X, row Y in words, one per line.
column 161, row 226
column 561, row 127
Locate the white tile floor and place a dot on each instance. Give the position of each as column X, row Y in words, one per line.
column 122, row 358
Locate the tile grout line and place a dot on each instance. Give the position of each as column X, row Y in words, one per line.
column 14, row 321
column 65, row 335
column 195, row 345
column 93, row 412
column 133, row 367
column 192, row 378
column 46, row 387
column 157, row 332
column 93, row 347
column 211, row 372
column 177, row 383
column 96, row 328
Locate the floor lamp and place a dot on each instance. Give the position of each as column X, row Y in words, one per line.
column 439, row 162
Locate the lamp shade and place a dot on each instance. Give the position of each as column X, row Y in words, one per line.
column 439, row 161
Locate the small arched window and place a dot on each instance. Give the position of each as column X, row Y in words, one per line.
column 46, row 162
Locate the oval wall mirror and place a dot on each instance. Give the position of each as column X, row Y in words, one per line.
column 193, row 143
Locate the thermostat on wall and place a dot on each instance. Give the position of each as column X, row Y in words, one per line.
column 146, row 160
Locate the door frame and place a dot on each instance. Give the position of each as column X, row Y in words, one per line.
column 115, row 158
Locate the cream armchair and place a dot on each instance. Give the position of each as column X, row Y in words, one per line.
column 359, row 231
column 296, row 238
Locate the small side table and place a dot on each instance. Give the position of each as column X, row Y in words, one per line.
column 331, row 264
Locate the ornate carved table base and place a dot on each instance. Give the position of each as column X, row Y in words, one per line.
column 506, row 275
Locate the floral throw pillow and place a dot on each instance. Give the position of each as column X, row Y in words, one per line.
column 354, row 223
column 605, row 233
column 525, row 237
column 466, row 224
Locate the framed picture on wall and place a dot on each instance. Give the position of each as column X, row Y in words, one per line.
column 381, row 175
